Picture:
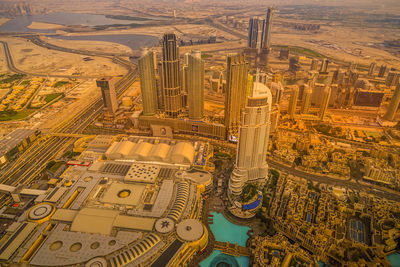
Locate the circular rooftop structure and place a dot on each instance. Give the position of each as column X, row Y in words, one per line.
column 97, row 262
column 190, row 230
column 164, row 225
column 40, row 212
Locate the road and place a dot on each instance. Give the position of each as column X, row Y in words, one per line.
column 33, row 161
column 381, row 192
column 217, row 25
column 39, row 42
column 13, row 68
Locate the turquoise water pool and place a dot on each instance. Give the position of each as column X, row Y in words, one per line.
column 394, row 259
column 217, row 256
column 225, row 231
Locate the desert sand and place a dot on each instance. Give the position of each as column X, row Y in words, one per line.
column 35, row 59
column 3, row 20
column 96, row 46
column 37, row 25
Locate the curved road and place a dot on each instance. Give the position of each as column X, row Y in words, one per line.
column 381, row 192
column 13, row 68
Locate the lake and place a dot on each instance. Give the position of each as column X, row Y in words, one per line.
column 20, row 23
column 134, row 41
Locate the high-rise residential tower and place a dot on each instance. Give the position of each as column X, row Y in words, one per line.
column 265, row 44
column 253, row 32
column 235, row 96
column 267, row 29
column 314, row 64
column 324, row 65
column 307, row 95
column 195, row 85
column 294, row 64
column 382, row 71
column 148, row 84
column 171, row 76
column 392, row 78
column 293, row 101
column 107, row 86
column 325, row 102
column 394, row 105
column 277, row 88
column 251, row 165
column 371, row 69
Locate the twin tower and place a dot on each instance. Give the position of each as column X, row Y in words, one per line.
column 169, row 96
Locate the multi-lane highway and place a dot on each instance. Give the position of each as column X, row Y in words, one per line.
column 34, row 160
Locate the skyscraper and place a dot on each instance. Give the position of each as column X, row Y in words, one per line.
column 371, row 69
column 306, row 104
column 265, row 45
column 314, row 64
column 324, row 65
column 148, row 85
column 170, row 76
column 107, row 86
column 392, row 78
column 251, row 165
column 235, row 96
column 277, row 92
column 160, row 89
column 325, row 102
column 382, row 71
column 267, row 29
column 253, row 32
column 293, row 101
column 195, row 82
column 394, row 105
column 294, row 64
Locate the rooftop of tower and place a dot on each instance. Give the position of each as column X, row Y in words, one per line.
column 260, row 90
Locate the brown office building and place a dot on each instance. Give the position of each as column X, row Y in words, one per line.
column 107, row 86
column 235, row 97
column 171, row 77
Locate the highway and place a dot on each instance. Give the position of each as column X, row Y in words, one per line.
column 13, row 68
column 381, row 192
column 33, row 161
column 39, row 42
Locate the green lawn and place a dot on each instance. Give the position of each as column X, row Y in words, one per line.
column 306, row 52
column 26, row 82
column 301, row 51
column 60, row 83
column 10, row 115
column 51, row 97
column 12, row 78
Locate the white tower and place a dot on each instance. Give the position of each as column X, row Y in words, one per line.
column 251, row 165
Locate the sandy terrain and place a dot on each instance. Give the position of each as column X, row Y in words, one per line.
column 97, row 46
column 3, row 20
column 36, row 59
column 37, row 25
column 3, row 92
column 344, row 43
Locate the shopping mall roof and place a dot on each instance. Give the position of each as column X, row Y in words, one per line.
column 179, row 153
